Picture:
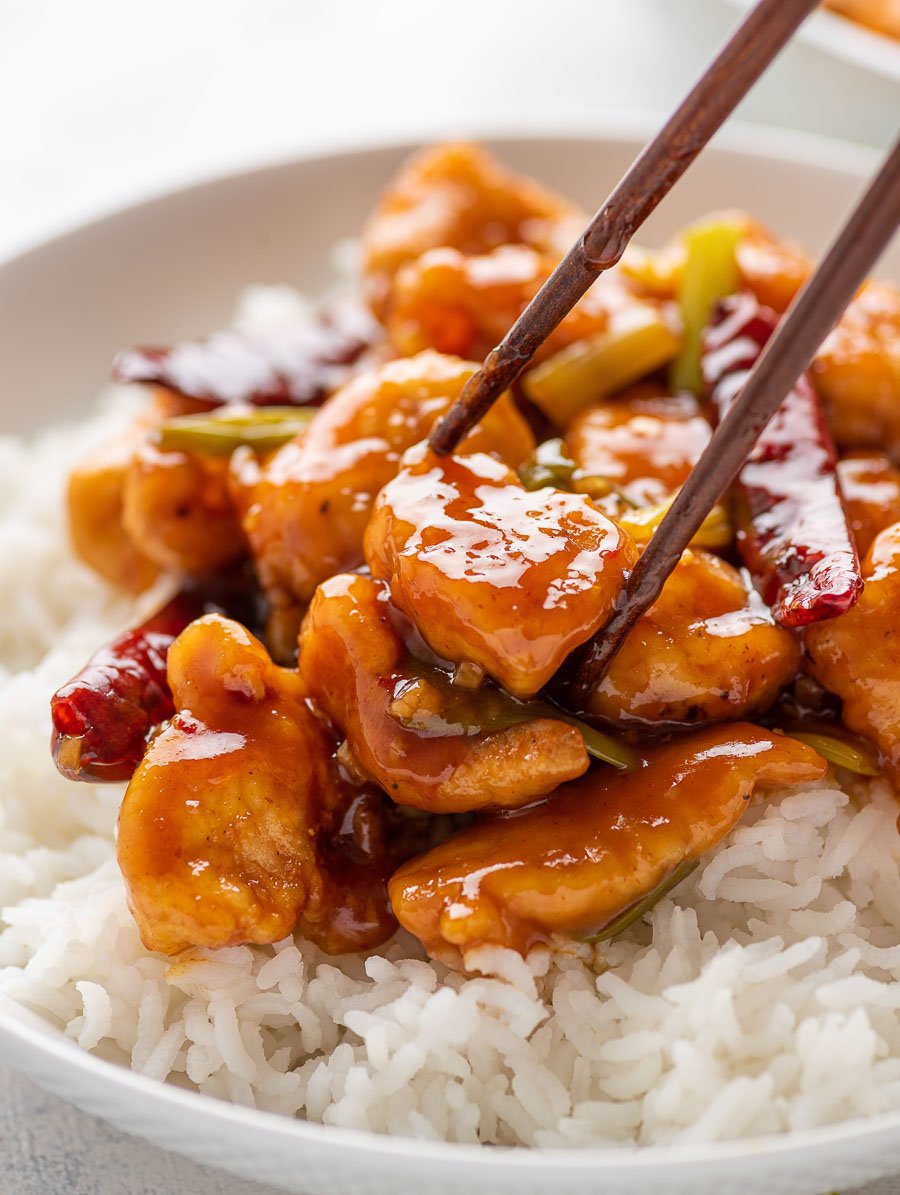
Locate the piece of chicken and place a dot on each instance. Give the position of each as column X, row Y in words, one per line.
column 465, row 304
column 457, row 249
column 870, row 486
column 95, row 505
column 95, row 499
column 573, row 863
column 707, row 650
column 238, row 825
column 857, row 656
column 305, row 511
column 178, row 510
column 427, row 743
column 491, row 573
column 773, row 269
column 645, row 442
column 457, row 196
column 857, row 371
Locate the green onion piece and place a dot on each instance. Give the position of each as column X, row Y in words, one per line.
column 548, row 465
column 710, row 273
column 427, row 702
column 219, row 434
column 845, row 751
column 636, row 911
column 597, row 743
column 636, row 343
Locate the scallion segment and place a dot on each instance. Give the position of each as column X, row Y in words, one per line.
column 843, row 750
column 636, row 911
column 636, row 343
column 219, row 434
column 710, row 272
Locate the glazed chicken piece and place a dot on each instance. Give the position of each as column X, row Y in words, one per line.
column 178, row 511
column 857, row 371
column 423, row 740
column 95, row 500
column 573, row 863
column 774, row 270
column 95, row 504
column 456, row 196
column 707, row 650
column 644, row 442
column 857, row 656
column 238, row 825
column 491, row 573
column 464, row 304
column 870, row 485
column 457, row 249
column 305, row 510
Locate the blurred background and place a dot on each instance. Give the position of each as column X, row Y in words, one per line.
column 106, row 101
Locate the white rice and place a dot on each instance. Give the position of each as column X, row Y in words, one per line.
column 762, row 996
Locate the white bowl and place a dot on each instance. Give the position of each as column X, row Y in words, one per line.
column 171, row 267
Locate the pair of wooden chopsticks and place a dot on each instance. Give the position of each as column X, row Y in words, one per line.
column 814, row 311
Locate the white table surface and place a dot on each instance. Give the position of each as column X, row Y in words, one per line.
column 105, row 101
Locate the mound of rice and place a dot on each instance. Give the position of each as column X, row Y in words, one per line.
column 762, row 996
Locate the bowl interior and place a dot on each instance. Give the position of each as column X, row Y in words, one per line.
column 171, row 267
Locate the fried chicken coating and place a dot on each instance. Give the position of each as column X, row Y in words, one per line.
column 707, row 650
column 573, row 863
column 857, row 371
column 238, row 825
column 491, row 573
column 870, row 486
column 178, row 511
column 427, row 744
column 457, row 196
column 305, row 511
column 644, row 442
column 857, row 656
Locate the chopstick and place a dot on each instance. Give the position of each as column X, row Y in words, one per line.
column 724, row 83
column 811, row 316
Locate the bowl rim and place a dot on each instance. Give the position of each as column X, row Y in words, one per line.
column 737, row 138
column 24, row 1032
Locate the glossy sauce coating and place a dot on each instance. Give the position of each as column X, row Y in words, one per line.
column 571, row 864
column 793, row 532
column 492, row 573
column 456, row 196
column 857, row 656
column 707, row 650
column 355, row 661
column 465, row 304
column 870, row 486
column 305, row 511
column 857, row 371
column 644, row 442
column 178, row 511
column 238, row 826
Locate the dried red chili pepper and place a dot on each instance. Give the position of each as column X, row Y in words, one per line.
column 793, row 532
column 297, row 365
column 103, row 716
